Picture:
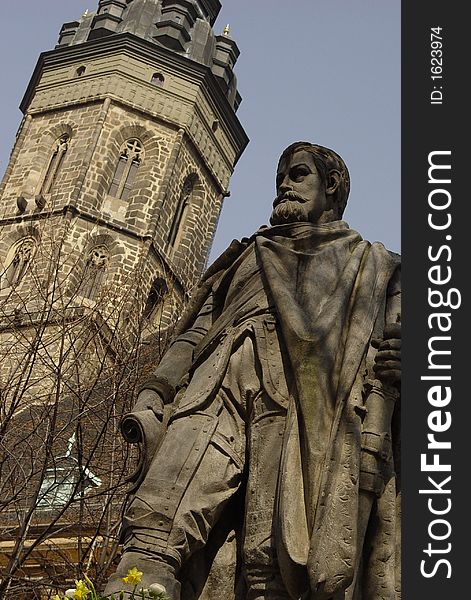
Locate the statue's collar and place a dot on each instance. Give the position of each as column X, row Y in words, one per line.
column 294, row 230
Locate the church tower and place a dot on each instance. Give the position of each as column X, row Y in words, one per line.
column 108, row 208
column 127, row 145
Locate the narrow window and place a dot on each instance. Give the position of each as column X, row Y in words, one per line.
column 158, row 79
column 55, row 163
column 126, row 170
column 178, row 225
column 94, row 273
column 153, row 307
column 80, row 71
column 21, row 257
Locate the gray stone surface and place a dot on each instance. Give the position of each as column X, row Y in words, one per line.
column 269, row 429
column 181, row 26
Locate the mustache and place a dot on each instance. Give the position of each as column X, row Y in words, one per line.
column 290, row 195
column 287, row 212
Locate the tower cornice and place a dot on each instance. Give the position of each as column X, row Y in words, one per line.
column 144, row 51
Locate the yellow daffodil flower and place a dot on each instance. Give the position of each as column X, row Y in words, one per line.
column 81, row 590
column 133, row 576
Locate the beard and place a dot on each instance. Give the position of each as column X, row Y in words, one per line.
column 289, row 211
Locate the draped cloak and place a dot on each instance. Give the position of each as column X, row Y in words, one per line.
column 329, row 288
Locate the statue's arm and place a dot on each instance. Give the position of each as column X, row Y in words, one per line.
column 393, row 306
column 144, row 424
column 387, row 365
column 140, row 425
column 160, row 388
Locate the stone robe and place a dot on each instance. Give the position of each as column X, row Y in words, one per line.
column 318, row 294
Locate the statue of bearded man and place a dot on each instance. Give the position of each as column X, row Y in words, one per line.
column 283, row 381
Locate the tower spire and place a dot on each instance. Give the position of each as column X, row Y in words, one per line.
column 182, row 26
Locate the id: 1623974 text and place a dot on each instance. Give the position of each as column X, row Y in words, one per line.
column 436, row 64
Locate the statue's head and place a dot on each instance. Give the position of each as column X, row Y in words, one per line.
column 312, row 184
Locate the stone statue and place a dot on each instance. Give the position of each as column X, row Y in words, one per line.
column 283, row 381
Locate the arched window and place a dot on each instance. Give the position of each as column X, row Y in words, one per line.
column 55, row 162
column 125, row 173
column 153, row 307
column 94, row 273
column 80, row 70
column 178, row 225
column 158, row 80
column 18, row 261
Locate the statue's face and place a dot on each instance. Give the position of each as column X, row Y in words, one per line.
column 300, row 191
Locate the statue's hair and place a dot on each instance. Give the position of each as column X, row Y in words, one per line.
column 325, row 160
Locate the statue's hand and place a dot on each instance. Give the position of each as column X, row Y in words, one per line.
column 146, row 417
column 150, row 400
column 387, row 365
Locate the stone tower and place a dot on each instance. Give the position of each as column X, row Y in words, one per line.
column 128, row 140
column 108, row 208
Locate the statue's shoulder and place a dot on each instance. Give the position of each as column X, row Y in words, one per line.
column 395, row 256
column 226, row 259
column 203, row 289
column 394, row 288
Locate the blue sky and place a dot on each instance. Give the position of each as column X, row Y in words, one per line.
column 316, row 70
